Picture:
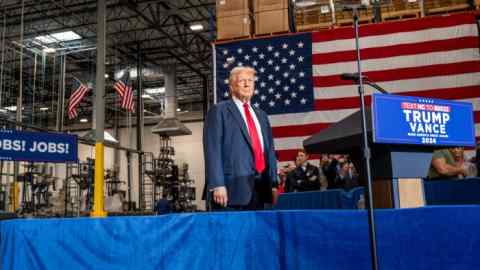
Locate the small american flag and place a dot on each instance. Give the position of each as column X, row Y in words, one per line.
column 299, row 83
column 80, row 90
column 125, row 91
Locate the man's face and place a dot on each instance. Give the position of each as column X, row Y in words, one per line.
column 243, row 85
column 301, row 158
column 344, row 167
column 457, row 152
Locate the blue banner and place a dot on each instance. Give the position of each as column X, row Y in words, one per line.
column 422, row 121
column 37, row 146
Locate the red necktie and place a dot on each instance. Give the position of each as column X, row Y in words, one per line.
column 256, row 145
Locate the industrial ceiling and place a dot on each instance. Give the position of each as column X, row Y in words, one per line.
column 153, row 34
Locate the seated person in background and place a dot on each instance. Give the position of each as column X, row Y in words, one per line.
column 305, row 177
column 346, row 177
column 444, row 166
column 470, row 168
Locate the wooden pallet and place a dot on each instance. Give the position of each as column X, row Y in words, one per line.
column 312, row 18
column 361, row 20
column 314, row 27
column 221, row 40
column 272, row 34
column 434, row 7
column 401, row 14
column 400, row 9
column 344, row 18
column 449, row 9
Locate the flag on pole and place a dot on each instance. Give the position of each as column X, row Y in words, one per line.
column 80, row 90
column 125, row 91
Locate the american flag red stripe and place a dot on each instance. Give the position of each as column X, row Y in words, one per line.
column 120, row 86
column 397, row 50
column 404, row 73
column 75, row 99
column 72, row 114
column 396, row 27
column 126, row 93
column 434, row 57
column 127, row 99
column 446, row 93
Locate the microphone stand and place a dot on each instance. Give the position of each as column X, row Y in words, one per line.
column 377, row 87
column 366, row 148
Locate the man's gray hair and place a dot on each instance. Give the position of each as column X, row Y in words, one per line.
column 237, row 70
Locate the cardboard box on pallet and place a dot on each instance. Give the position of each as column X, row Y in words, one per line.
column 266, row 5
column 227, row 8
column 234, row 27
column 445, row 6
column 272, row 21
column 314, row 17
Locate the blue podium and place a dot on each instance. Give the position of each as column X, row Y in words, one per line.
column 403, row 132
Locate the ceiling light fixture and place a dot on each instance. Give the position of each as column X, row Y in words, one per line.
column 196, row 27
column 49, row 50
column 58, row 37
column 155, row 90
column 84, row 120
column 305, row 3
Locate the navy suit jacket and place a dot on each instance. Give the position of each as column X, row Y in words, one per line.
column 229, row 158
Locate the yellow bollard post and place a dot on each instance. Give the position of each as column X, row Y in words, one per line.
column 14, row 196
column 98, row 196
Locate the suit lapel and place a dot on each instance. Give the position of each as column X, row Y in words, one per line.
column 239, row 119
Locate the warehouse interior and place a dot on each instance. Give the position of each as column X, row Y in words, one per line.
column 239, row 134
column 164, row 49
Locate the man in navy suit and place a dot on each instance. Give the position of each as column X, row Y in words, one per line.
column 240, row 160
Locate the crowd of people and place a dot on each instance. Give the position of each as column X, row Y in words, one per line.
column 333, row 172
column 338, row 171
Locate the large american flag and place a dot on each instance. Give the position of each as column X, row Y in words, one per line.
column 79, row 91
column 299, row 83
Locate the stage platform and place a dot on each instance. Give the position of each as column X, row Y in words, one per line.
column 441, row 237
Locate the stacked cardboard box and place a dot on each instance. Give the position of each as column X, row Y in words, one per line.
column 233, row 19
column 445, row 6
column 314, row 17
column 271, row 16
column 345, row 17
column 400, row 9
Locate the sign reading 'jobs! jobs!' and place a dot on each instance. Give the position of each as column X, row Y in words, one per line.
column 422, row 121
column 37, row 146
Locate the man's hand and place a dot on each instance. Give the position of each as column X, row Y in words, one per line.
column 220, row 196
